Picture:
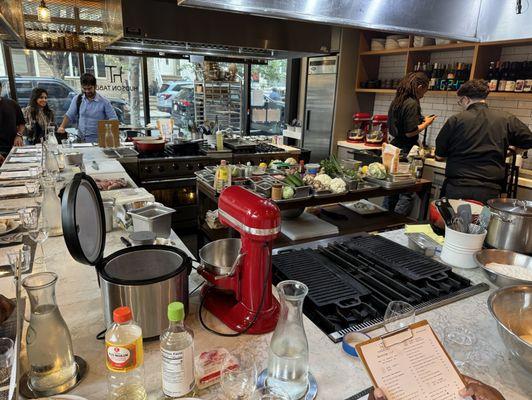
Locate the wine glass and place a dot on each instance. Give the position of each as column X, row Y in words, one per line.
column 21, row 257
column 36, row 227
column 123, row 137
column 268, row 393
column 239, row 375
column 32, row 187
column 398, row 315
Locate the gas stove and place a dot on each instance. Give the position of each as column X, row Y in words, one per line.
column 351, row 280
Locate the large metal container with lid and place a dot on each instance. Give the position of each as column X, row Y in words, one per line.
column 510, row 227
column 145, row 278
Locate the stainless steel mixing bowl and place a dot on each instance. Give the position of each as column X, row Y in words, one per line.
column 508, row 257
column 512, row 309
column 219, row 257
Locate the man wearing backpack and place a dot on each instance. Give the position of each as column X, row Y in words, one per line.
column 87, row 109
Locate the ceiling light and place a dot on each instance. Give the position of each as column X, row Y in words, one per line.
column 43, row 12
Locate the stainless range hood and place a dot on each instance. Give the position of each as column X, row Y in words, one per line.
column 471, row 20
column 161, row 27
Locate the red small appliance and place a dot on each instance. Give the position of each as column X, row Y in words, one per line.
column 361, row 126
column 245, row 297
column 378, row 133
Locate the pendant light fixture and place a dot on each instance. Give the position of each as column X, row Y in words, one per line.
column 43, row 12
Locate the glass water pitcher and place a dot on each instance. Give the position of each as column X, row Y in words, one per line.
column 288, row 353
column 51, row 140
column 51, row 208
column 48, row 342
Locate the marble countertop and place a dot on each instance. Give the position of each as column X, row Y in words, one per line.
column 338, row 375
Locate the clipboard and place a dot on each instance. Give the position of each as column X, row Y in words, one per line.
column 390, row 359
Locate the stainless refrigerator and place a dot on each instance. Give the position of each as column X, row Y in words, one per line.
column 319, row 106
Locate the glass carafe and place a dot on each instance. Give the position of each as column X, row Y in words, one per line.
column 48, row 341
column 51, row 140
column 288, row 353
column 51, row 208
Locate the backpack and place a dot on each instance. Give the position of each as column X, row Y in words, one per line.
column 79, row 99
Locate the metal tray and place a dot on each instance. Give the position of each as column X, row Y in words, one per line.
column 386, row 184
column 328, row 193
column 376, row 208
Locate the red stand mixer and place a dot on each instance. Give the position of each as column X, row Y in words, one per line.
column 242, row 299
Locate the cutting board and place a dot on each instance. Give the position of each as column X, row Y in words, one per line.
column 307, row 226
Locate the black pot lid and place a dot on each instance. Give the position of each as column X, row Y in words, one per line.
column 83, row 219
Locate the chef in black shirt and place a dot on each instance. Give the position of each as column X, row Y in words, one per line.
column 474, row 144
column 12, row 125
column 405, row 123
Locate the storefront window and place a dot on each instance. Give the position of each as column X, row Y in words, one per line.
column 267, row 102
column 54, row 71
column 171, row 84
column 119, row 79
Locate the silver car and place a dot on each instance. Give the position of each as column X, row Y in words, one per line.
column 167, row 93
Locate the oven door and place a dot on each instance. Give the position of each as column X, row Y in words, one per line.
column 179, row 194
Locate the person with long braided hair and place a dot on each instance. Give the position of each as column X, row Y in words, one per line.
column 405, row 122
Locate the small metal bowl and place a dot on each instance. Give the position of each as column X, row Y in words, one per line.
column 510, row 306
column 484, row 257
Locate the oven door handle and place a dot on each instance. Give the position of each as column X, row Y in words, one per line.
column 192, row 179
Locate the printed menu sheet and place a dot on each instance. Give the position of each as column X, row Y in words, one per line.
column 411, row 365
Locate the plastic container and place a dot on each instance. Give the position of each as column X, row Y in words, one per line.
column 125, row 357
column 459, row 248
column 312, row 168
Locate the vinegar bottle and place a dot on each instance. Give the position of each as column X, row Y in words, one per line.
column 177, row 351
column 124, row 357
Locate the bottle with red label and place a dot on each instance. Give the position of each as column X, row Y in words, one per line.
column 124, row 357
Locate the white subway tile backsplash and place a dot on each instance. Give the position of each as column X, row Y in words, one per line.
column 445, row 106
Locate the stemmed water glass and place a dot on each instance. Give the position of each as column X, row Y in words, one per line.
column 398, row 315
column 268, row 393
column 239, row 375
column 36, row 227
column 123, row 137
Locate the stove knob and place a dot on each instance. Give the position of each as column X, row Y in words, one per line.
column 175, row 166
column 190, row 167
column 148, row 169
column 160, row 168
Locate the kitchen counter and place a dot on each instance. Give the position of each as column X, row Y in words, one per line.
column 525, row 179
column 358, row 146
column 338, row 375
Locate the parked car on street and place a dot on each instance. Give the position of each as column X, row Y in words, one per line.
column 183, row 106
column 60, row 95
column 167, row 94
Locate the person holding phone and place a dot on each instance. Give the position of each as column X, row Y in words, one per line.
column 405, row 122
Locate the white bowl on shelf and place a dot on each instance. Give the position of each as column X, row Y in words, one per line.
column 403, row 43
column 391, row 44
column 421, row 41
column 442, row 41
column 377, row 44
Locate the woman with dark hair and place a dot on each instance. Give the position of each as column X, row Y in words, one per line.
column 405, row 122
column 38, row 116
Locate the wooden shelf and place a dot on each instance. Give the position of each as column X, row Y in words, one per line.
column 444, row 47
column 382, row 91
column 511, row 95
column 434, row 48
column 400, row 50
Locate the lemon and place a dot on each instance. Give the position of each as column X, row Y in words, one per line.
column 263, row 165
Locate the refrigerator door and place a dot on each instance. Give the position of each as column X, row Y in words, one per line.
column 319, row 109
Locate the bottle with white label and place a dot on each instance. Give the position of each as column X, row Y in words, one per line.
column 177, row 351
column 125, row 357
